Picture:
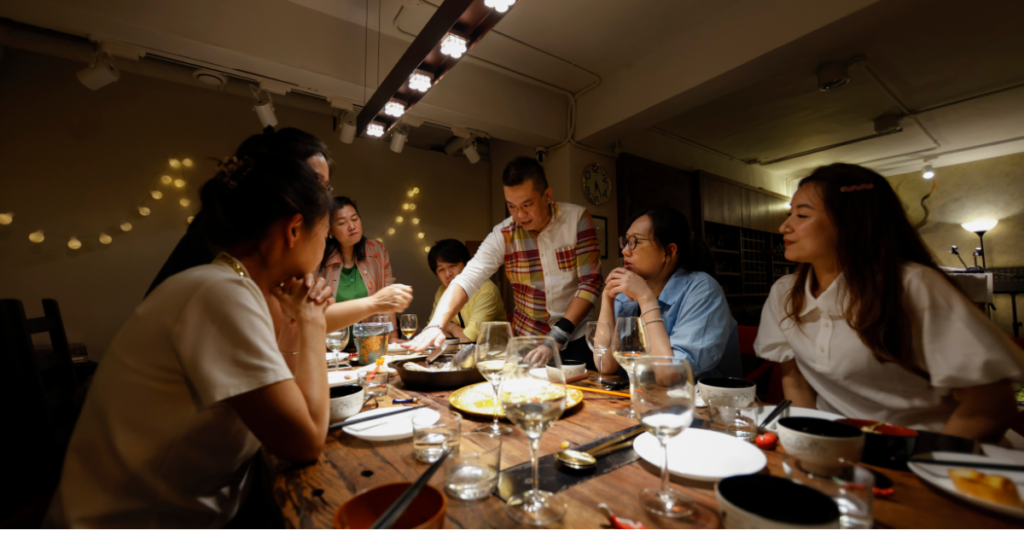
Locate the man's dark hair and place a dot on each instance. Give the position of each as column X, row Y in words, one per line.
column 523, row 169
column 448, row 250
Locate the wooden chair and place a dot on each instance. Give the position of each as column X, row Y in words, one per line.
column 37, row 390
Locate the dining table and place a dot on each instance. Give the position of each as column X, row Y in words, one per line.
column 309, row 494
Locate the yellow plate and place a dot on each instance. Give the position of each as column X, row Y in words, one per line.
column 478, row 399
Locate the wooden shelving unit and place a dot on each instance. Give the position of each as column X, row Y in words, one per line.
column 748, row 261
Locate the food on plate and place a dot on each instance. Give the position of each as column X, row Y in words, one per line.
column 994, row 488
column 767, row 441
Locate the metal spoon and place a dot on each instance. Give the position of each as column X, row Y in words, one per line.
column 583, row 460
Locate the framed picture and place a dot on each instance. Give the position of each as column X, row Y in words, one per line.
column 601, row 226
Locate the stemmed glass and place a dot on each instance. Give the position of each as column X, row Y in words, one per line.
column 491, row 346
column 630, row 342
column 599, row 339
column 407, row 323
column 337, row 341
column 664, row 400
column 534, row 403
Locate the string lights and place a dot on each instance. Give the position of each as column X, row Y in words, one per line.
column 399, row 219
column 6, row 218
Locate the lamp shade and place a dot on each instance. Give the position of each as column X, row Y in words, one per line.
column 979, row 226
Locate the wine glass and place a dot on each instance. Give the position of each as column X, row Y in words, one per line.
column 491, row 346
column 664, row 400
column 599, row 339
column 407, row 323
column 534, row 401
column 629, row 343
column 337, row 341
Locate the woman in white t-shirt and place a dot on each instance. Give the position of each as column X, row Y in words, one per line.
column 870, row 328
column 193, row 384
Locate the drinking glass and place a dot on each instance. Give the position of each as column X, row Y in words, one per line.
column 599, row 339
column 473, row 472
column 434, row 432
column 336, row 342
column 491, row 346
column 852, row 491
column 371, row 340
column 375, row 384
column 630, row 342
column 534, row 403
column 733, row 415
column 407, row 323
column 664, row 401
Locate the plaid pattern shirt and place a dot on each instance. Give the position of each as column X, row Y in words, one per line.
column 547, row 269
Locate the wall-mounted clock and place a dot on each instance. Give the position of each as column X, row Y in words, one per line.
column 597, row 184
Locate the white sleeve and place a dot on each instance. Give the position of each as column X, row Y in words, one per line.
column 771, row 343
column 960, row 346
column 489, row 258
column 225, row 342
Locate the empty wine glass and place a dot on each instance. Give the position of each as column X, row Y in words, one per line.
column 630, row 342
column 533, row 402
column 491, row 346
column 407, row 323
column 337, row 341
column 664, row 400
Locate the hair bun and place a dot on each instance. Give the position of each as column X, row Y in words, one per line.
column 233, row 169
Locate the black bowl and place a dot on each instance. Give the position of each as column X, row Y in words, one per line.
column 345, row 390
column 775, row 500
column 888, row 446
column 820, row 427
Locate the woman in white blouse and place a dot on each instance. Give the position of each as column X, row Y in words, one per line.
column 870, row 328
column 193, row 383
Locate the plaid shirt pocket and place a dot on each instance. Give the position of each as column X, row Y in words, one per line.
column 566, row 258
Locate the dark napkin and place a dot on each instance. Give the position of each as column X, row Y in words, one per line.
column 555, row 477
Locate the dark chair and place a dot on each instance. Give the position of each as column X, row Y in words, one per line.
column 37, row 391
column 767, row 375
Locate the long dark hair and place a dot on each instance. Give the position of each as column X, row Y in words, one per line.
column 874, row 240
column 333, row 245
column 287, row 142
column 249, row 195
column 669, row 226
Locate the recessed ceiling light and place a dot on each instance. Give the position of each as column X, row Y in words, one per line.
column 210, row 78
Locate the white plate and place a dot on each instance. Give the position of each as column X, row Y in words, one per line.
column 702, row 455
column 938, row 476
column 341, row 377
column 388, row 428
column 794, row 412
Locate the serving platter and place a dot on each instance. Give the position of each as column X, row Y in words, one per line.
column 478, row 399
column 702, row 455
column 938, row 476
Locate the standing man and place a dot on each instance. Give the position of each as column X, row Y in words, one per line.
column 551, row 256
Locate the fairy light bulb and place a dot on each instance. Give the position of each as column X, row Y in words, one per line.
column 391, row 231
column 74, row 243
column 421, row 235
column 144, row 211
column 189, row 219
column 415, row 221
column 6, row 218
column 105, row 238
column 166, row 179
column 157, row 194
column 37, row 237
column 415, row 191
column 412, row 206
column 184, row 202
column 180, row 183
column 405, row 206
column 187, row 162
column 410, row 193
column 399, row 219
column 125, row 226
column 427, row 249
column 175, row 163
column 453, row 46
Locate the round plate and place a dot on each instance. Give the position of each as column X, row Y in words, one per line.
column 702, row 455
column 388, row 428
column 794, row 412
column 478, row 399
column 938, row 476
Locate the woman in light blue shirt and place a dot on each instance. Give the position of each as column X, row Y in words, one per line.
column 666, row 281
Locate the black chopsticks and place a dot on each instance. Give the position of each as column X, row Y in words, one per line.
column 343, row 424
column 996, row 466
column 395, row 511
column 775, row 412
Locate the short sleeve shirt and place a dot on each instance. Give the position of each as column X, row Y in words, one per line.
column 156, row 445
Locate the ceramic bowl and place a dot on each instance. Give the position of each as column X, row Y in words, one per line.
column 769, row 502
column 361, row 511
column 888, row 446
column 346, row 401
column 570, row 368
column 824, row 447
column 712, row 387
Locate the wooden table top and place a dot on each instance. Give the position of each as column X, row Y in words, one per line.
column 349, row 465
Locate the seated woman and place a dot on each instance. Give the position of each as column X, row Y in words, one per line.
column 869, row 327
column 447, row 259
column 667, row 282
column 357, row 268
column 193, row 383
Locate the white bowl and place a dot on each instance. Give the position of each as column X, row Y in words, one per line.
column 708, row 388
column 346, row 401
column 746, row 502
column 571, row 370
column 824, row 447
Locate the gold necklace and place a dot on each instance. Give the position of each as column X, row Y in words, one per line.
column 230, row 262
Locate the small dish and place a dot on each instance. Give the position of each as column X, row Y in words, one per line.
column 769, row 502
column 938, row 476
column 825, row 447
column 361, row 511
column 385, row 429
column 702, row 455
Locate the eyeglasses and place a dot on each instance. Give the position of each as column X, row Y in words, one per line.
column 631, row 242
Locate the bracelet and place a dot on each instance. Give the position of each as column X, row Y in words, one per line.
column 654, row 320
column 649, row 310
column 290, row 353
column 432, row 326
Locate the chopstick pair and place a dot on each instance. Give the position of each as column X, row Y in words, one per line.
column 775, row 412
column 343, row 424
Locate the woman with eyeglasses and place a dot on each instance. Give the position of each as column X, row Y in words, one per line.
column 668, row 282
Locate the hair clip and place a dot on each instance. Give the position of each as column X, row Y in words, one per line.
column 228, row 170
column 865, row 186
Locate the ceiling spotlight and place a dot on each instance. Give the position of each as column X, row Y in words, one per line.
column 348, row 128
column 37, row 237
column 398, row 137
column 157, row 194
column 832, row 76
column 927, row 171
column 453, row 46
column 125, row 226
column 421, row 81
column 394, row 108
column 264, row 107
column 470, row 151
column 74, row 243
column 6, row 218
column 500, row 6
column 166, row 179
column 99, row 73
column 144, row 211
column 105, row 239
column 375, row 129
column 454, row 145
column 210, row 78
column 979, row 226
column 180, row 183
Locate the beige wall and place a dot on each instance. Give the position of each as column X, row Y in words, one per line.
column 73, row 161
column 990, row 189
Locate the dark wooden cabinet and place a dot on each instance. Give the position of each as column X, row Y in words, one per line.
column 642, row 184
